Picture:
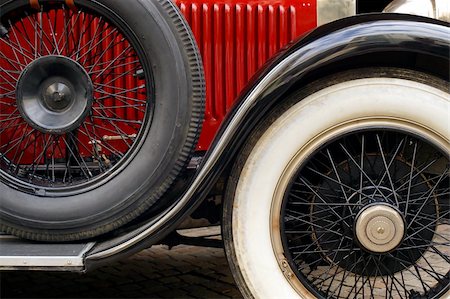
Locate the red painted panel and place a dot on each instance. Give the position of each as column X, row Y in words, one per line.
column 235, row 39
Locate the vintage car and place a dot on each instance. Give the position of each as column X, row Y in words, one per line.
column 315, row 131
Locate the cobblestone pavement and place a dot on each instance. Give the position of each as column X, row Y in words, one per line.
column 182, row 272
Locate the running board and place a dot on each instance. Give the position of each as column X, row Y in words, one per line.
column 19, row 254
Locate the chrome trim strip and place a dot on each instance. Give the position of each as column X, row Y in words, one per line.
column 332, row 10
column 293, row 64
column 20, row 261
column 86, row 249
column 209, row 164
column 7, row 237
column 41, row 261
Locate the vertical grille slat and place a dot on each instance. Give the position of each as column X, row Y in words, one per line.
column 230, row 56
column 235, row 40
column 262, row 35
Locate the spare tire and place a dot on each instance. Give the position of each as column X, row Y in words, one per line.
column 101, row 106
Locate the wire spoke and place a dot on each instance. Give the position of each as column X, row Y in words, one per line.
column 327, row 194
column 107, row 132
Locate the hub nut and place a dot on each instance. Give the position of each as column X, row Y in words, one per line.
column 379, row 228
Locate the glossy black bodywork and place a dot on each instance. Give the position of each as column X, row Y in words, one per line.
column 371, row 40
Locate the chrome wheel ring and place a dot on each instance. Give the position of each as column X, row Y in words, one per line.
column 377, row 224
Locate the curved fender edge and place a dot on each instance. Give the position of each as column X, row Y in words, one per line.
column 326, row 45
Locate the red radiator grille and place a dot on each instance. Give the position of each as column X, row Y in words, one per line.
column 235, row 40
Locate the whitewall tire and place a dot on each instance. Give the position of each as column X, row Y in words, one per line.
column 363, row 103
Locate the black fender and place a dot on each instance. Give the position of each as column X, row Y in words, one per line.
column 334, row 47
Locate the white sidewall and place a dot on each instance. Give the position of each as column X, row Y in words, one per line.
column 357, row 99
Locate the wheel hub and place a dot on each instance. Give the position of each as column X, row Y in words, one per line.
column 58, row 95
column 379, row 228
column 54, row 94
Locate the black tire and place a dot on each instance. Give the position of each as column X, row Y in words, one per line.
column 171, row 69
column 267, row 261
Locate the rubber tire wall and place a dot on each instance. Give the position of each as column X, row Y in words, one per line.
column 171, row 54
column 233, row 207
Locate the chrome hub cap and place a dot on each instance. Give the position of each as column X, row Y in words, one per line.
column 54, row 94
column 379, row 228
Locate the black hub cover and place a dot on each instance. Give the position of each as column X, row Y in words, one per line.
column 54, row 94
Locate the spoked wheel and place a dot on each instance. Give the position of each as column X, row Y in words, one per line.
column 73, row 103
column 337, row 200
column 371, row 208
column 98, row 113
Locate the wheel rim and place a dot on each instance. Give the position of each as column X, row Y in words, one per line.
column 351, row 229
column 76, row 100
